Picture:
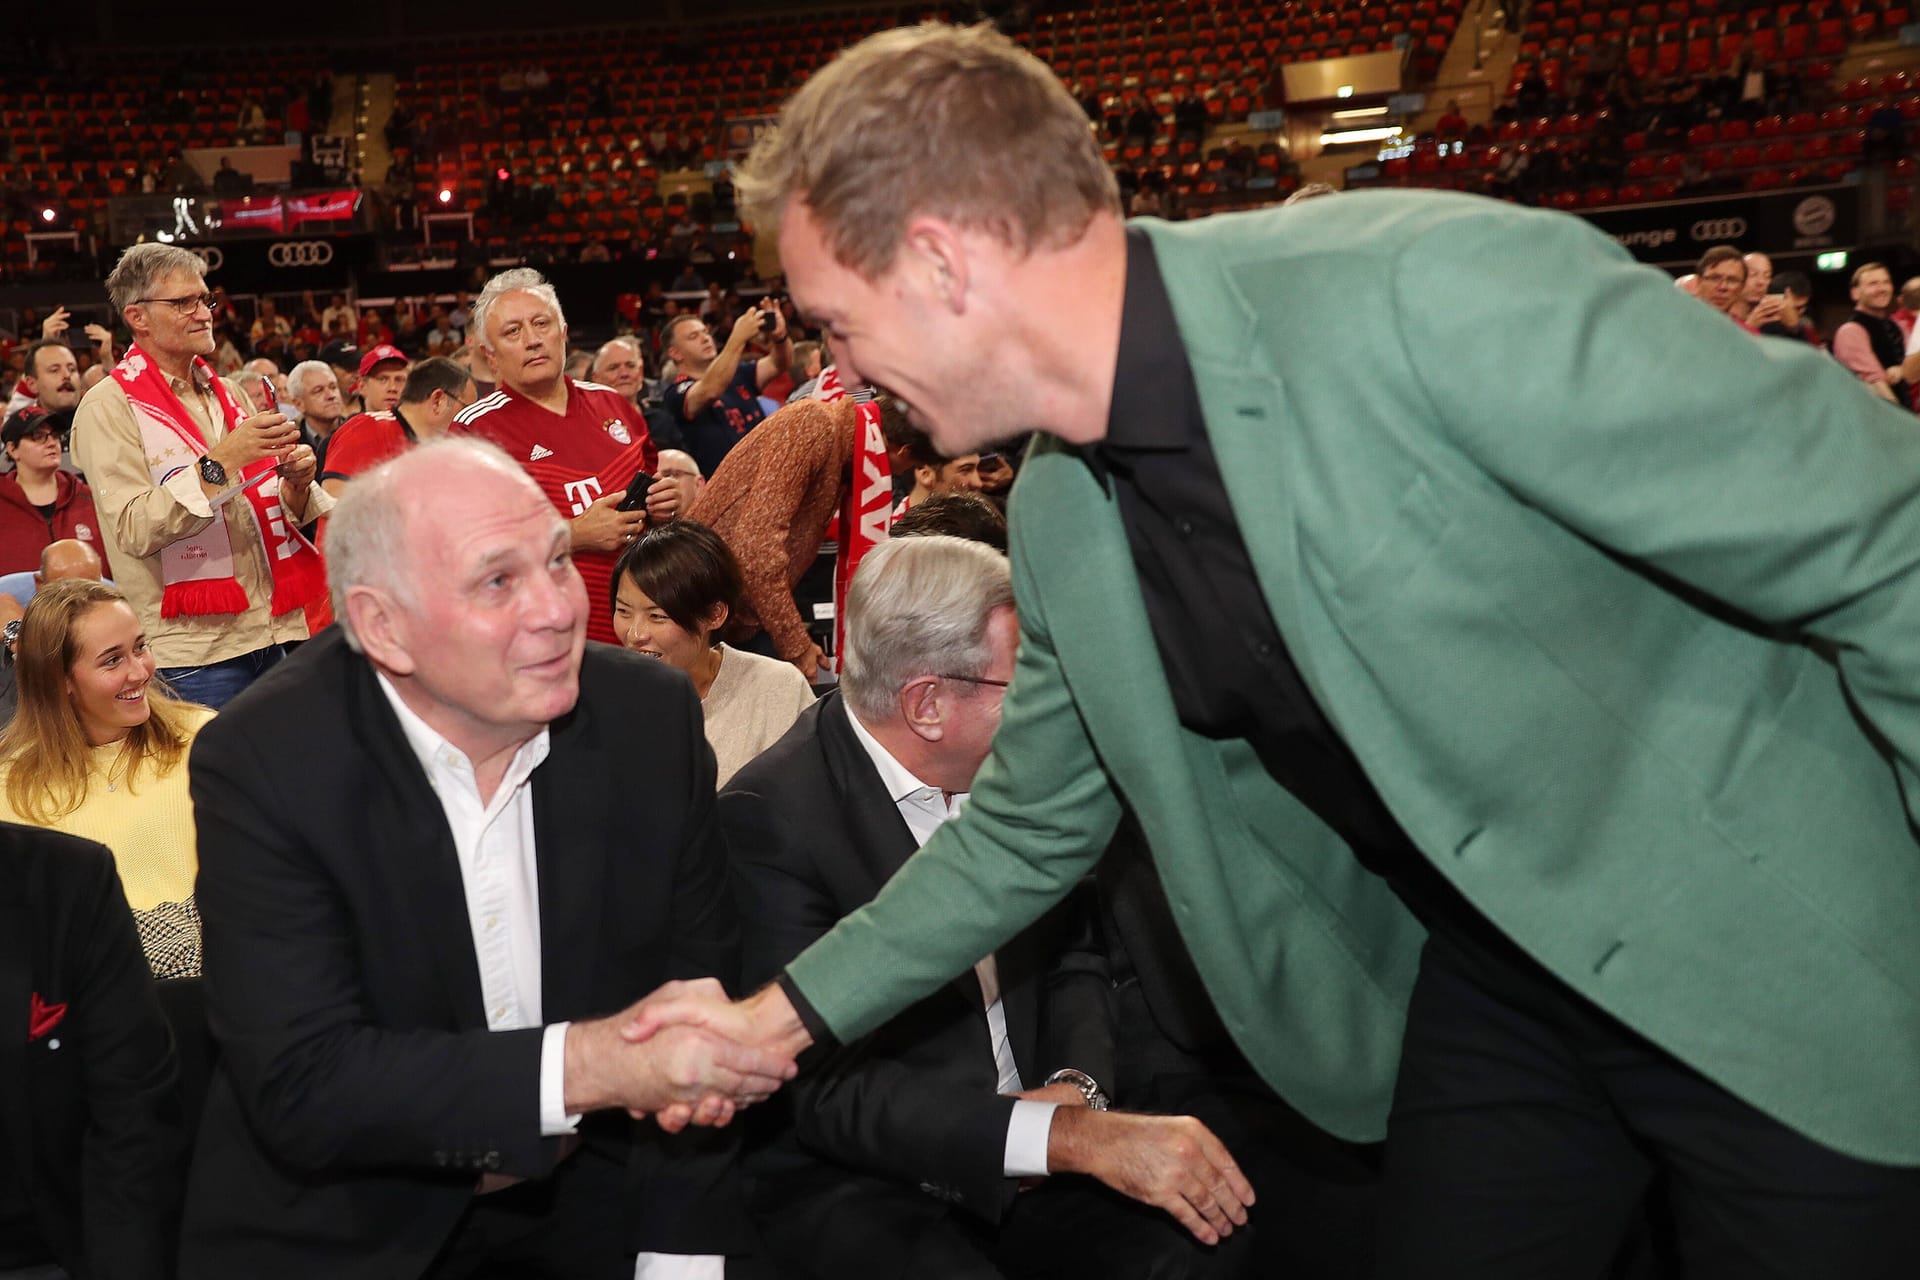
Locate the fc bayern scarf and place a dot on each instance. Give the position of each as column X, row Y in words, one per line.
column 865, row 514
column 198, row 569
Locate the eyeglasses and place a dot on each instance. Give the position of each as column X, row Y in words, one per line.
column 998, row 684
column 185, row 306
column 1725, row 279
column 41, row 435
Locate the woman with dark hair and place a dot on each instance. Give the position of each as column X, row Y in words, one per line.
column 673, row 591
column 98, row 749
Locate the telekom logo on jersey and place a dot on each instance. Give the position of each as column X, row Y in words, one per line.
column 581, row 494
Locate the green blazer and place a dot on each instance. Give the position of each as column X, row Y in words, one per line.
column 1617, row 605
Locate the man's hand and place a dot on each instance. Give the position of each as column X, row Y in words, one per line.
column 745, row 329
column 1765, row 311
column 264, row 435
column 54, row 325
column 1910, row 368
column 296, row 473
column 665, row 501
column 1171, row 1162
column 812, row 663
column 765, row 1019
column 683, row 1073
column 603, row 527
column 767, row 306
column 102, row 338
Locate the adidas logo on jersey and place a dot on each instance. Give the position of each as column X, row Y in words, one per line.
column 539, row 451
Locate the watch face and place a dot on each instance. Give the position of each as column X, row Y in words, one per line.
column 212, row 471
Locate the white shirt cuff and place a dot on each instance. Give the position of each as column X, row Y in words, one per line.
column 554, row 1120
column 1027, row 1130
column 679, row 1266
column 184, row 485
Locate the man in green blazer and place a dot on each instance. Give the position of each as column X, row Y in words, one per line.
column 1514, row 668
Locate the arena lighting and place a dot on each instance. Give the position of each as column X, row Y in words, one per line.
column 1344, row 91
column 446, row 196
column 1344, row 136
column 1836, row 261
column 502, row 173
column 1358, row 113
column 48, row 215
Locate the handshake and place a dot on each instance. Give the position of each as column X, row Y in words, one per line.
column 684, row 1055
column 688, row 1055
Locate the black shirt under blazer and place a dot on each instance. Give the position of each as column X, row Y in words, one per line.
column 359, row 1094
column 901, row 1127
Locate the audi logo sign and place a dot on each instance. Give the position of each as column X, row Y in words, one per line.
column 210, row 255
column 300, row 253
column 1718, row 230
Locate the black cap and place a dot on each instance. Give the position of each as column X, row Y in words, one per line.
column 24, row 420
column 341, row 354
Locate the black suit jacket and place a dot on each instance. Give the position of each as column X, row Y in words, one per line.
column 91, row 1116
column 890, row 1131
column 359, row 1094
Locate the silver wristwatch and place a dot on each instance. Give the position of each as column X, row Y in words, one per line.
column 1089, row 1087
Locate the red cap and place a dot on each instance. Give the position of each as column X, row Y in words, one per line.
column 380, row 355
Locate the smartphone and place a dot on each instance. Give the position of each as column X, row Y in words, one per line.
column 767, row 321
column 636, row 499
column 268, row 399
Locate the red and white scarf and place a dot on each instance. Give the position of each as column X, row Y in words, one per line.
column 198, row 569
column 865, row 515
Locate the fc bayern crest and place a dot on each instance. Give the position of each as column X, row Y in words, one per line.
column 618, row 430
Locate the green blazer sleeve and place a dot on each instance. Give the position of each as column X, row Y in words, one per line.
column 1757, row 471
column 1040, row 813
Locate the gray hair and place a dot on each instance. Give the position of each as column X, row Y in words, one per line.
column 367, row 528
column 918, row 606
column 142, row 265
column 297, row 379
column 519, row 279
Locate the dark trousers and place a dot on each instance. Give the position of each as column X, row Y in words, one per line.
column 1528, row 1128
column 1073, row 1229
column 570, row 1226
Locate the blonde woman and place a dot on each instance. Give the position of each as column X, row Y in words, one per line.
column 98, row 749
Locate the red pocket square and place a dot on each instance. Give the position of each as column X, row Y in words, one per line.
column 43, row 1017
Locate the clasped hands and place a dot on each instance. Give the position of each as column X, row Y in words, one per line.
column 711, row 1056
column 686, row 1054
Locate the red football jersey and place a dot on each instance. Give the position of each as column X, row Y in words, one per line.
column 576, row 457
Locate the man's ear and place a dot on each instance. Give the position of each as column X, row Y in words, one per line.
column 936, row 251
column 921, row 708
column 381, row 628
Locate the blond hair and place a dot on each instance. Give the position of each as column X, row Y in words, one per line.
column 957, row 122
column 45, row 748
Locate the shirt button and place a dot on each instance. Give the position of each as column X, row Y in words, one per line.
column 493, row 922
column 1185, row 527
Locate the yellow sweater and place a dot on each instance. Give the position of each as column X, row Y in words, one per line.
column 150, row 830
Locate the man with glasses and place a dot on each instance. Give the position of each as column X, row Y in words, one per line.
column 436, row 390
column 200, row 495
column 1721, row 276
column 905, row 1150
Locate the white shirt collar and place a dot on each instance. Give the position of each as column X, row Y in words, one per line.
column 899, row 781
column 437, row 755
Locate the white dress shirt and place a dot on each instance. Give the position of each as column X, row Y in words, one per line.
column 501, row 877
column 924, row 808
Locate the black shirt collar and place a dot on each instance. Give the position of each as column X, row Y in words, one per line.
column 401, row 418
column 1153, row 382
